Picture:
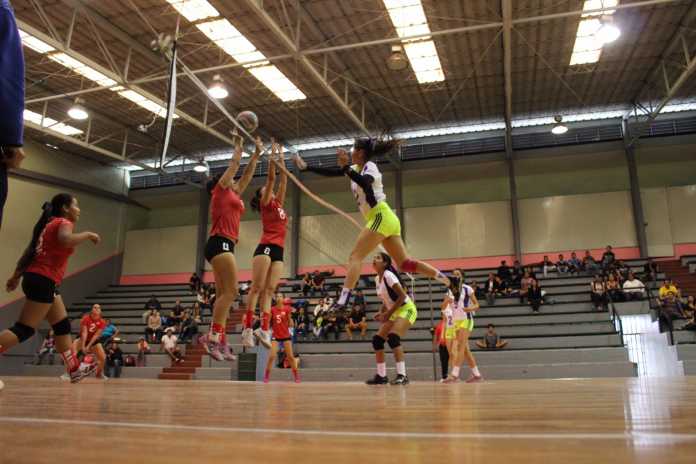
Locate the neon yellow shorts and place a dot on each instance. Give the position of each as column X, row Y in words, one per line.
column 383, row 220
column 407, row 311
column 463, row 324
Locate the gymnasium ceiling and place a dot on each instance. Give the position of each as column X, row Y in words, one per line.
column 542, row 82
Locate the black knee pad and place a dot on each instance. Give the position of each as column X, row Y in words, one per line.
column 394, row 340
column 377, row 343
column 62, row 327
column 23, row 332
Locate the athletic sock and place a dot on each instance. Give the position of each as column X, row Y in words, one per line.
column 294, row 373
column 401, row 367
column 265, row 321
column 475, row 371
column 267, row 373
column 216, row 332
column 455, row 372
column 345, row 296
column 248, row 317
column 70, row 360
column 382, row 369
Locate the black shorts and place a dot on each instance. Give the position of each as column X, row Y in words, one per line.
column 274, row 252
column 38, row 288
column 282, row 340
column 217, row 245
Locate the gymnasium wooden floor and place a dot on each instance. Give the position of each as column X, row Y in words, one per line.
column 535, row 421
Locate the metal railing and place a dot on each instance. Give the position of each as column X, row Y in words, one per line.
column 616, row 318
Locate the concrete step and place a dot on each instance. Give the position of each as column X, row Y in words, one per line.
column 686, row 352
column 175, row 376
column 180, row 370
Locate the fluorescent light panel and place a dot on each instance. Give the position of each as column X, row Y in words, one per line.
column 51, row 124
column 587, row 48
column 35, row 44
column 408, row 18
column 194, row 10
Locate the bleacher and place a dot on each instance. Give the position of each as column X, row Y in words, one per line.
column 567, row 339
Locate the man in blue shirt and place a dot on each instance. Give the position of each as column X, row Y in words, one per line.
column 11, row 98
column 109, row 332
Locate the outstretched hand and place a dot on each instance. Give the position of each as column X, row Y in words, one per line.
column 343, row 158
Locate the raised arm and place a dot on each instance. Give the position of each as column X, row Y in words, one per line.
column 270, row 179
column 227, row 179
column 249, row 169
column 283, row 184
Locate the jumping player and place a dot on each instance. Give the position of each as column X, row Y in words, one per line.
column 281, row 324
column 91, row 327
column 382, row 225
column 226, row 209
column 41, row 270
column 457, row 337
column 397, row 315
column 267, row 265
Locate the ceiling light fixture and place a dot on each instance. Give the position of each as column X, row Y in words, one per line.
column 77, row 111
column 559, row 128
column 218, row 89
column 201, row 166
column 397, row 60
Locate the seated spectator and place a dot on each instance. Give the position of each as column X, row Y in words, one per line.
column 189, row 327
column 535, row 296
column 359, row 298
column 169, row 345
column 621, row 270
column 357, row 320
column 517, row 272
column 504, row 288
column 650, row 271
column 614, row 289
column 667, row 288
column 491, row 289
column 547, row 266
column 306, row 284
column 608, row 258
column 153, row 331
column 321, row 308
column 669, row 309
column 143, row 350
column 574, row 264
column 176, row 315
column 48, row 347
column 153, row 303
column 196, row 313
column 303, row 324
column 109, row 333
column 331, row 325
column 562, row 265
column 318, row 284
column 491, row 341
column 599, row 293
column 194, row 283
column 341, row 319
column 531, row 272
column 633, row 288
column 318, row 328
column 114, row 361
column 478, row 290
column 504, row 272
column 525, row 283
column 589, row 264
column 689, row 310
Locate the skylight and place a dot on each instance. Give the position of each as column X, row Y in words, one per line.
column 408, row 18
column 35, row 44
column 194, row 10
column 51, row 124
column 588, row 47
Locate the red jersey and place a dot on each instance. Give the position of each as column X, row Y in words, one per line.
column 51, row 258
column 274, row 220
column 92, row 326
column 280, row 322
column 226, row 209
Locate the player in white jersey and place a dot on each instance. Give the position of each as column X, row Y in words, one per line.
column 397, row 315
column 464, row 305
column 382, row 226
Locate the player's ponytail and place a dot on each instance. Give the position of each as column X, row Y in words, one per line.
column 375, row 146
column 389, row 266
column 256, row 200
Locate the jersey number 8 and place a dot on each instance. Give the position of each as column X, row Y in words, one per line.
column 267, row 251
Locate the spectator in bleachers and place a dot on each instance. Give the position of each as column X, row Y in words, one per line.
column 318, row 326
column 478, row 290
column 109, row 333
column 318, row 284
column 321, row 308
column 608, row 258
column 153, row 303
column 650, row 271
column 48, row 347
column 574, row 264
column 531, row 272
column 306, row 284
column 589, row 264
column 491, row 289
column 517, row 272
column 525, row 283
column 669, row 310
column 689, row 310
column 633, row 288
column 598, row 293
column 153, row 331
column 535, row 296
column 440, row 346
column 169, row 346
column 357, row 320
column 189, row 327
column 341, row 319
column 504, row 288
column 359, row 298
column 331, row 325
column 176, row 315
column 114, row 361
column 547, row 266
column 504, row 271
column 196, row 313
column 303, row 323
column 562, row 265
column 621, row 270
column 667, row 288
column 143, row 351
column 194, row 283
column 491, row 341
column 614, row 288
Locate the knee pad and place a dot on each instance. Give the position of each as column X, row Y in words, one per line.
column 409, row 265
column 377, row 343
column 23, row 332
column 62, row 327
column 394, row 340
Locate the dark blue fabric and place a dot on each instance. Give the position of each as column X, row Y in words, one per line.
column 11, row 79
column 3, row 190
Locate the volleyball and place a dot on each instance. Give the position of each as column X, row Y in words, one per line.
column 248, row 120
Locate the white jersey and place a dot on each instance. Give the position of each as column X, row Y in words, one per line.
column 448, row 312
column 465, row 302
column 370, row 169
column 384, row 289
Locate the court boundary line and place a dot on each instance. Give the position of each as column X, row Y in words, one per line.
column 665, row 437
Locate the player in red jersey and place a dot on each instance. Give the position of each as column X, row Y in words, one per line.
column 267, row 265
column 226, row 209
column 91, row 327
column 41, row 270
column 281, row 323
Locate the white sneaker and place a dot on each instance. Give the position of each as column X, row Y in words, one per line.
column 264, row 337
column 248, row 338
